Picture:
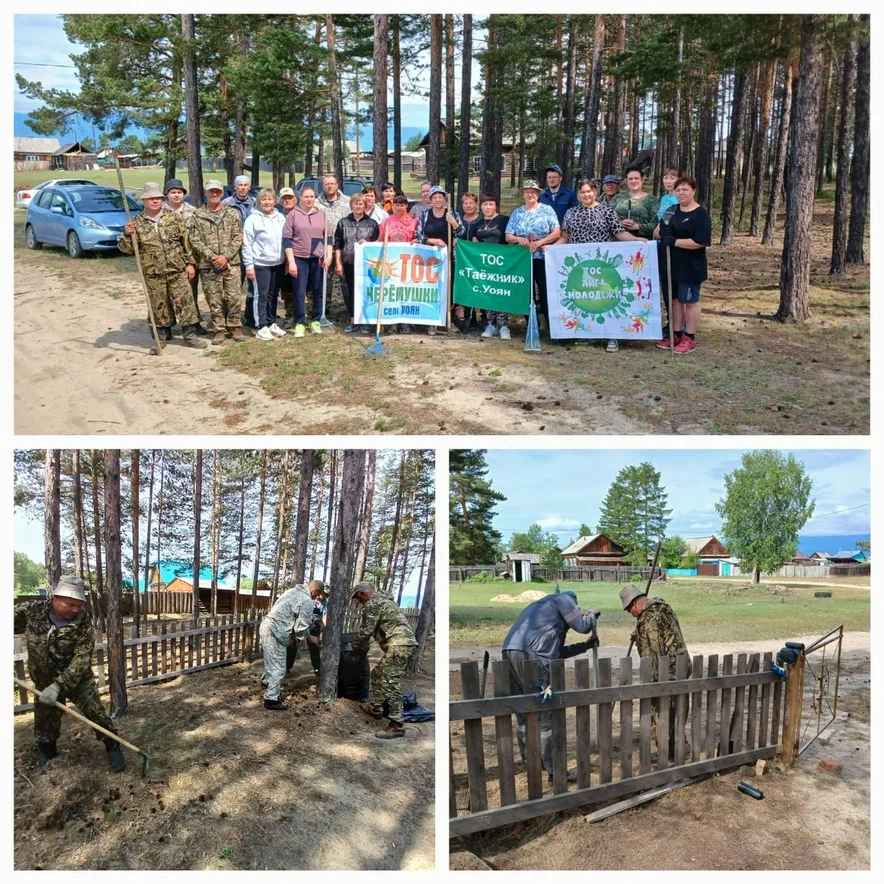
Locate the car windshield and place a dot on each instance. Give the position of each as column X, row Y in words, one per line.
column 94, row 201
column 351, row 187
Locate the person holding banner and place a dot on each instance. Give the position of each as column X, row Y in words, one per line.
column 403, row 228
column 533, row 226
column 686, row 236
column 593, row 221
column 356, row 227
column 493, row 230
column 436, row 226
column 303, row 238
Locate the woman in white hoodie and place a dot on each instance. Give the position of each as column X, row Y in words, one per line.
column 263, row 256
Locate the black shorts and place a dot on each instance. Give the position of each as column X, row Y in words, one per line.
column 687, row 292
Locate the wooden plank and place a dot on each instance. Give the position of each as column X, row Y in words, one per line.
column 645, row 705
column 153, row 649
column 697, row 711
column 681, row 712
column 637, row 800
column 711, row 706
column 526, row 810
column 452, row 793
column 173, row 646
column 215, row 640
column 559, row 732
column 662, row 716
column 475, row 748
column 625, row 721
column 134, row 674
column 727, row 666
column 584, row 727
column 145, row 650
column 164, row 648
column 606, row 726
column 503, row 729
column 463, row 709
column 765, row 702
column 752, row 711
column 739, row 707
column 99, row 668
column 533, row 755
column 20, row 674
column 222, row 637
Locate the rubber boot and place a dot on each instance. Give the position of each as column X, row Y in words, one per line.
column 393, row 731
column 275, row 706
column 48, row 751
column 114, row 754
column 190, row 338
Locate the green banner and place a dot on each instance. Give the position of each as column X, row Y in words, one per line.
column 492, row 277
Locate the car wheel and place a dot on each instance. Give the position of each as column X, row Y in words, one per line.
column 31, row 238
column 75, row 250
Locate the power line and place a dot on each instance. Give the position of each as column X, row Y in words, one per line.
column 34, row 64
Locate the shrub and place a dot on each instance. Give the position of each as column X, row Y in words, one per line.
column 483, row 577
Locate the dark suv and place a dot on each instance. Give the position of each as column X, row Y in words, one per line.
column 350, row 186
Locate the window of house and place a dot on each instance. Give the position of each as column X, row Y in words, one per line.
column 32, row 158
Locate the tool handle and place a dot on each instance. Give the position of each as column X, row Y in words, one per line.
column 383, row 268
column 656, row 558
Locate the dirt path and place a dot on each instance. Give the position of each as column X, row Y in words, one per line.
column 808, row 819
column 231, row 785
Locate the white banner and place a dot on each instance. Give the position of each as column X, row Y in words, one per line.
column 604, row 290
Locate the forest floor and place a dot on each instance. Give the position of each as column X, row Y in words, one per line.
column 808, row 819
column 232, row 786
column 82, row 365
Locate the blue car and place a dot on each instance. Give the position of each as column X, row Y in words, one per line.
column 82, row 219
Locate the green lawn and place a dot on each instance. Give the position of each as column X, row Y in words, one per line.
column 708, row 611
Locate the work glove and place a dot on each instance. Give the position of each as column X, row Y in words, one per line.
column 595, row 613
column 49, row 695
column 592, row 642
column 668, row 241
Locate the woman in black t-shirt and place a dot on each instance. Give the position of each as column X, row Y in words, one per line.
column 491, row 228
column 686, row 233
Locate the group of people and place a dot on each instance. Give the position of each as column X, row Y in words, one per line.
column 284, row 248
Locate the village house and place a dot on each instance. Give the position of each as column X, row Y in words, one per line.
column 33, row 154
column 596, row 550
column 520, row 566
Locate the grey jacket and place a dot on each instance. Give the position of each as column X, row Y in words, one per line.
column 541, row 628
column 293, row 611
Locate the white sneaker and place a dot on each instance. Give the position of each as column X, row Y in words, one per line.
column 264, row 334
column 612, row 347
column 505, row 333
column 276, row 331
column 490, row 331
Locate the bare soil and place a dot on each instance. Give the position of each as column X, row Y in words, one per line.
column 808, row 818
column 231, row 786
column 81, row 364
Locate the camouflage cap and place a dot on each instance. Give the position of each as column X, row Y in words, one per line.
column 531, row 185
column 70, row 587
column 363, row 586
column 151, row 189
column 629, row 594
column 214, row 184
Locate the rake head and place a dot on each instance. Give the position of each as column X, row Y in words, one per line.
column 327, row 323
column 146, row 756
column 532, row 336
column 377, row 350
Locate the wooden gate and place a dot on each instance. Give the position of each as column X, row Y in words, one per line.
column 722, row 718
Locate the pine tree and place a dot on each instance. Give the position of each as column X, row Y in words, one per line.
column 473, row 540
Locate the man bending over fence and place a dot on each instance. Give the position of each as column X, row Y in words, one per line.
column 60, row 640
column 539, row 635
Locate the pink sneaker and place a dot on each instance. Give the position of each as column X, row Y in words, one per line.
column 685, row 345
column 663, row 343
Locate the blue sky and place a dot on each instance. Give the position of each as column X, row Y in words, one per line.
column 40, row 40
column 561, row 489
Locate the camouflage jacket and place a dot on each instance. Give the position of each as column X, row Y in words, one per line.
column 216, row 233
column 642, row 211
column 186, row 213
column 385, row 623
column 60, row 653
column 658, row 634
column 164, row 244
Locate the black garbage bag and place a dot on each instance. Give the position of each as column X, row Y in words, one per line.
column 354, row 672
column 413, row 711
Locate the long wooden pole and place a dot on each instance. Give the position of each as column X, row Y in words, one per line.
column 450, row 262
column 153, row 324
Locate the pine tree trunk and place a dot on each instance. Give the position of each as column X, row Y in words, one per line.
column 136, row 519
column 672, row 151
column 407, row 536
column 795, row 265
column 731, row 174
column 197, row 513
column 311, row 112
column 761, row 153
column 861, row 167
column 379, row 149
column 116, row 658
column 239, row 135
column 335, row 99
column 302, row 518
column 242, row 520
column 397, row 105
column 776, row 184
column 433, row 148
column 147, row 588
column 825, row 94
column 848, row 83
column 368, row 510
column 591, row 104
column 749, row 142
column 352, row 477
column 280, row 525
column 314, row 553
column 489, row 163
column 567, row 160
column 706, row 146
column 52, row 517
column 192, row 112
column 450, row 104
column 466, row 86
column 395, row 535
column 96, row 534
column 213, row 535
column 79, row 543
column 427, row 616
column 329, row 521
column 254, row 604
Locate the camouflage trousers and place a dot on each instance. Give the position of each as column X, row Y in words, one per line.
column 386, row 682
column 47, row 719
column 171, row 297
column 223, row 294
column 655, row 729
column 274, row 662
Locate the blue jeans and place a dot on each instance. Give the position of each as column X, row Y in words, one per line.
column 309, row 276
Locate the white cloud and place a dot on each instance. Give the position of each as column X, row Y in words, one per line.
column 558, row 523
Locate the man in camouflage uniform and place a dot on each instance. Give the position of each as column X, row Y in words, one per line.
column 175, row 192
column 216, row 237
column 386, row 624
column 291, row 613
column 336, row 206
column 167, row 263
column 657, row 633
column 60, row 640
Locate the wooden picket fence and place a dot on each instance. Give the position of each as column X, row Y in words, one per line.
column 171, row 649
column 723, row 718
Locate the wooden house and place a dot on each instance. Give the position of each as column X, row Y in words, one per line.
column 520, row 565
column 33, row 154
column 711, row 552
column 819, row 558
column 73, row 158
column 596, row 550
column 848, row 557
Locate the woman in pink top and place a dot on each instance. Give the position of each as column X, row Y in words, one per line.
column 303, row 239
column 403, row 226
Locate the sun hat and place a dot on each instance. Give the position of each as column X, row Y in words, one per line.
column 151, row 189
column 214, row 184
column 531, row 185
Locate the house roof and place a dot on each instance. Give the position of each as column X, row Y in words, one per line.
column 169, row 570
column 695, row 544
column 73, row 147
column 820, row 555
column 523, row 557
column 34, row 145
column 578, row 544
column 847, row 553
column 800, row 555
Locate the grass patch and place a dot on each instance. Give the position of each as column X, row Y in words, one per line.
column 708, row 611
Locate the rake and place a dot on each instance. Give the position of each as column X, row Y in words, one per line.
column 377, row 349
column 532, row 335
column 324, row 321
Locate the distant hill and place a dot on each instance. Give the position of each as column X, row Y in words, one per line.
column 829, row 543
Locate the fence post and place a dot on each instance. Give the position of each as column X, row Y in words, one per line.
column 469, row 674
column 792, row 723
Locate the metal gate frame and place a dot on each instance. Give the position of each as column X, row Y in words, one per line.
column 820, row 679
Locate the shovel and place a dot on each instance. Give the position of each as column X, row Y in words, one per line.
column 145, row 754
column 650, row 579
